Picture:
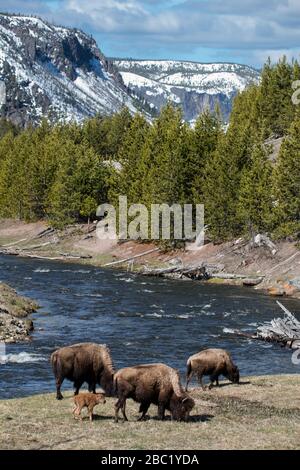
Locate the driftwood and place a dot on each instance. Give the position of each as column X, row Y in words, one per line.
column 284, row 331
column 198, row 272
column 126, row 260
column 202, row 271
column 45, row 233
column 24, row 253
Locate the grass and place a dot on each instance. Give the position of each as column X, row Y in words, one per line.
column 261, row 413
column 14, row 304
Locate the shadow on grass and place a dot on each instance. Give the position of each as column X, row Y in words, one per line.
column 226, row 384
column 192, row 419
column 98, row 418
column 215, row 387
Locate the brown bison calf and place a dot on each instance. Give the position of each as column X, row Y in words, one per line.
column 88, row 400
column 83, row 362
column 153, row 383
column 212, row 362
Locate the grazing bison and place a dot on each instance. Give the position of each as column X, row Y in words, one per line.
column 212, row 362
column 153, row 383
column 84, row 362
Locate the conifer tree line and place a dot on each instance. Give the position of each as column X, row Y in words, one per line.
column 62, row 172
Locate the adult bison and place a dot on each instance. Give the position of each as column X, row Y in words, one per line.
column 152, row 383
column 84, row 362
column 212, row 362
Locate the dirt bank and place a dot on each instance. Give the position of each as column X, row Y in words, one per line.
column 14, row 311
column 278, row 270
column 261, row 413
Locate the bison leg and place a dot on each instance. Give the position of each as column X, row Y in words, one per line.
column 123, row 410
column 213, row 378
column 77, row 386
column 200, row 378
column 58, row 382
column 189, row 375
column 77, row 412
column 92, row 387
column 121, row 404
column 143, row 409
column 161, row 411
column 90, row 409
column 117, row 408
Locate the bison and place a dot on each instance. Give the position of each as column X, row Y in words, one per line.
column 84, row 362
column 152, row 383
column 88, row 400
column 212, row 362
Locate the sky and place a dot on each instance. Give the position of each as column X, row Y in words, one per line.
column 243, row 31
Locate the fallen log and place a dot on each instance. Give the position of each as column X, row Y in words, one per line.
column 126, row 260
column 283, row 331
column 251, row 282
column 14, row 243
column 198, row 272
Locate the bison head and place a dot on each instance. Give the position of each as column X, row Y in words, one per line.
column 181, row 407
column 234, row 375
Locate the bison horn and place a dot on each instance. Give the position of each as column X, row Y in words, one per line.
column 185, row 399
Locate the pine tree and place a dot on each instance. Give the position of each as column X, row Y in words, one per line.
column 222, row 176
column 127, row 182
column 255, row 201
column 287, row 182
column 201, row 144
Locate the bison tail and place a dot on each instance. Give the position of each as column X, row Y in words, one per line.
column 56, row 365
column 115, row 387
column 188, row 368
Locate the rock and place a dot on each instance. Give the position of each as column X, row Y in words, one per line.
column 276, row 291
column 14, row 310
column 296, row 282
column 289, row 289
column 252, row 282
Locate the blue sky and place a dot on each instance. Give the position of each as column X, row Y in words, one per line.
column 245, row 31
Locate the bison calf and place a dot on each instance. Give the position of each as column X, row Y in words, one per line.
column 88, row 400
column 212, row 362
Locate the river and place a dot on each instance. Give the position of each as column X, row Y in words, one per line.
column 143, row 320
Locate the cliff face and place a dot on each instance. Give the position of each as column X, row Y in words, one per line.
column 55, row 72
column 191, row 85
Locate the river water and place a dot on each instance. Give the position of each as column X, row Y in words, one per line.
column 143, row 320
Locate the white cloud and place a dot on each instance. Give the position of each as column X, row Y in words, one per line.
column 252, row 29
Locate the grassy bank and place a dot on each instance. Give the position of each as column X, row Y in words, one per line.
column 261, row 413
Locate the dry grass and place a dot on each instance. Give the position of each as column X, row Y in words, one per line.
column 262, row 413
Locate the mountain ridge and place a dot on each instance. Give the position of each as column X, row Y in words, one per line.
column 61, row 73
column 193, row 85
column 55, row 71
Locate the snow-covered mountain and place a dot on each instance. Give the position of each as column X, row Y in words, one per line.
column 56, row 72
column 194, row 86
column 61, row 73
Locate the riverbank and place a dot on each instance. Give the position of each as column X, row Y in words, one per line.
column 261, row 413
column 274, row 271
column 15, row 324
